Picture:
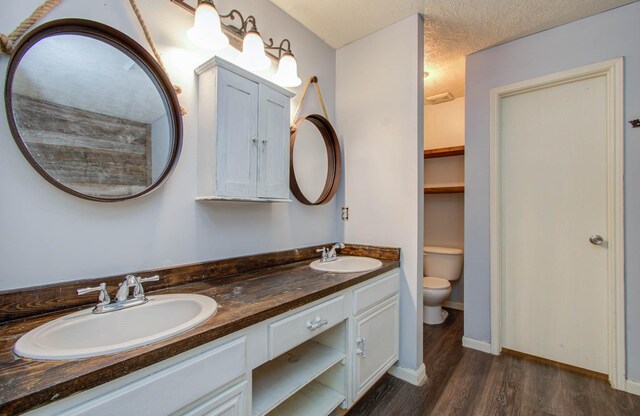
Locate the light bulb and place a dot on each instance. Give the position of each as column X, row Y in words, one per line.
column 253, row 57
column 206, row 32
column 287, row 75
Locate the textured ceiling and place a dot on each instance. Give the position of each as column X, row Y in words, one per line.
column 453, row 28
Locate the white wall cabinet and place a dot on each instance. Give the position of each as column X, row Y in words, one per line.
column 285, row 365
column 243, row 135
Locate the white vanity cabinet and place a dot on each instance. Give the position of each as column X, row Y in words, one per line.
column 309, row 361
column 243, row 135
column 208, row 380
column 376, row 308
column 376, row 350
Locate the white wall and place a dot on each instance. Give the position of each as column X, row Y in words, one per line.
column 605, row 36
column 444, row 213
column 48, row 236
column 380, row 120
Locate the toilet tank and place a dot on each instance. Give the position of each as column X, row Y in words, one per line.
column 443, row 262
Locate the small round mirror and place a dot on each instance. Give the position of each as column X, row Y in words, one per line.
column 315, row 160
column 92, row 111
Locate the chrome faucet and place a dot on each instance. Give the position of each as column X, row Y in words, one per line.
column 330, row 254
column 103, row 298
column 123, row 288
column 123, row 299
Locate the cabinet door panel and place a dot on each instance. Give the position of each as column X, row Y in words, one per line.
column 237, row 129
column 380, row 328
column 273, row 154
column 231, row 402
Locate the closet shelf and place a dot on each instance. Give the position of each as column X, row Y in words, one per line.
column 280, row 378
column 444, row 152
column 444, row 189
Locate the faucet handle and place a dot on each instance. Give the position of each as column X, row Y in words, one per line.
column 138, row 290
column 104, row 297
column 149, row 279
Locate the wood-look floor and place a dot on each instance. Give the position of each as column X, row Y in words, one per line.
column 465, row 382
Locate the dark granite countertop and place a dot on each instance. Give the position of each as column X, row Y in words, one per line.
column 243, row 300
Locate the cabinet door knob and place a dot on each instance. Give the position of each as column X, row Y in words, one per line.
column 254, row 140
column 264, row 141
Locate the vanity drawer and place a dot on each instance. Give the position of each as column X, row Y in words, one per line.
column 375, row 292
column 171, row 388
column 302, row 326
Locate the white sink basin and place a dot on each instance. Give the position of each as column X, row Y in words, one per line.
column 347, row 264
column 84, row 334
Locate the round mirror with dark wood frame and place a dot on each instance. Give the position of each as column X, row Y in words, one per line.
column 314, row 183
column 92, row 111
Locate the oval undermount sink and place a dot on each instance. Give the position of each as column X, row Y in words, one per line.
column 347, row 264
column 84, row 334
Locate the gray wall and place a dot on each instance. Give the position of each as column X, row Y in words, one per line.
column 48, row 236
column 608, row 35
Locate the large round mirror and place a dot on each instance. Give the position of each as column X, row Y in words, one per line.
column 92, row 111
column 315, row 160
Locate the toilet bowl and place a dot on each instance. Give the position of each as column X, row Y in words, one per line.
column 441, row 266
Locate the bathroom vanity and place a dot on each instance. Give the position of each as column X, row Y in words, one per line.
column 285, row 340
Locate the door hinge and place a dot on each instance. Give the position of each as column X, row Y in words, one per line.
column 345, row 213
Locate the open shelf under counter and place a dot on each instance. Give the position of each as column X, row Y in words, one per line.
column 444, row 189
column 279, row 379
column 314, row 399
column 444, row 152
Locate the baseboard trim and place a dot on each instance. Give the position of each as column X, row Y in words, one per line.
column 632, row 387
column 476, row 345
column 416, row 377
column 454, row 305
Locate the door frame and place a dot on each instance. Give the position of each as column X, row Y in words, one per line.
column 613, row 70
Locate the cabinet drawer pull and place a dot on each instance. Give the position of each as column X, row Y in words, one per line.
column 316, row 323
column 361, row 349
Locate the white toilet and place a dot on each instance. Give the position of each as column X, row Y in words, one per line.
column 441, row 265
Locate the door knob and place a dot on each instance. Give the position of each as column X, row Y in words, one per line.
column 596, row 240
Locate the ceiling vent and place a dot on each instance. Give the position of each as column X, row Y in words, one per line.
column 438, row 98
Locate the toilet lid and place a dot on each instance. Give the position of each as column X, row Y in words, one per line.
column 435, row 283
column 441, row 250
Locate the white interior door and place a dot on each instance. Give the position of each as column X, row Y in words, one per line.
column 553, row 162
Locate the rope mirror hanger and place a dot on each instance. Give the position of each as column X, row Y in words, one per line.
column 7, row 42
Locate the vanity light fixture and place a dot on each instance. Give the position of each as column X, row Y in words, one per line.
column 208, row 33
column 253, row 57
column 287, row 74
